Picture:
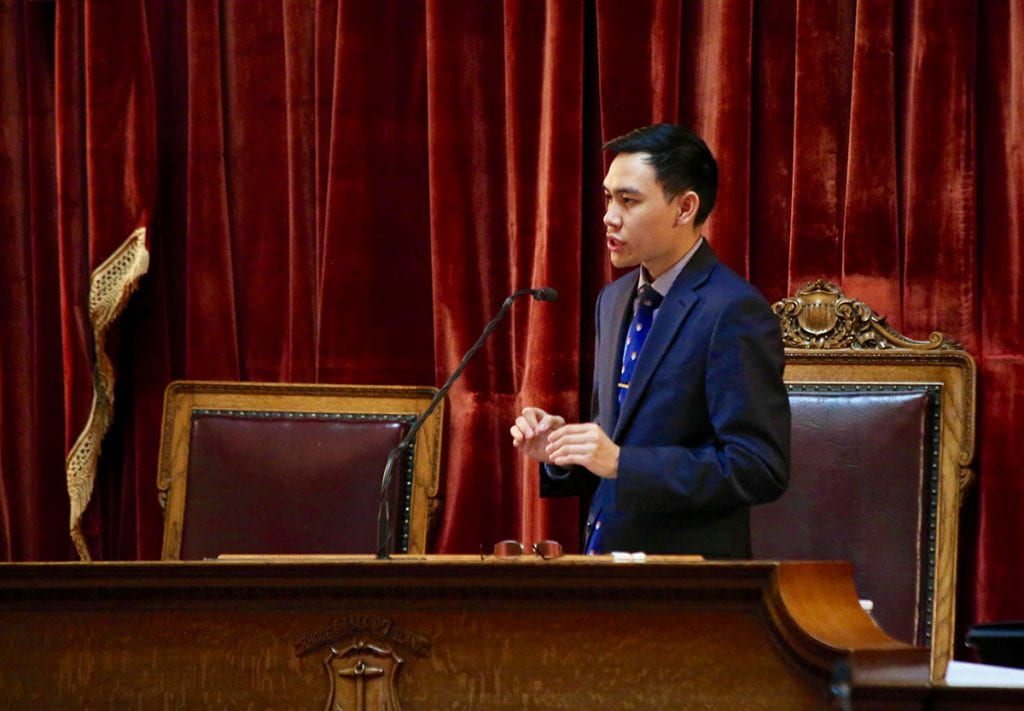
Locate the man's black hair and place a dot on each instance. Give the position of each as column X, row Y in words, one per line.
column 681, row 160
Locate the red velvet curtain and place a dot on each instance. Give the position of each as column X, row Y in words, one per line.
column 345, row 192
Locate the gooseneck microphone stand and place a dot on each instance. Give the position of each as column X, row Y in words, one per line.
column 383, row 510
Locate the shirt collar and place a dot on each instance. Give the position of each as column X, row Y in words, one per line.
column 663, row 283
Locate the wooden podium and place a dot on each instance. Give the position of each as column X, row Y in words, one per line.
column 448, row 633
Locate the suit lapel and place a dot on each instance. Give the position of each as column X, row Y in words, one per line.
column 667, row 323
column 614, row 326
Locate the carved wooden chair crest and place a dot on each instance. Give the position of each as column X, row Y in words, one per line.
column 883, row 438
column 821, row 316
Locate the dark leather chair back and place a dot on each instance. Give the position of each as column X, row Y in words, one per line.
column 882, row 441
column 846, row 503
column 261, row 468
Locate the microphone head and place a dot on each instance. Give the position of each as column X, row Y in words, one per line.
column 545, row 293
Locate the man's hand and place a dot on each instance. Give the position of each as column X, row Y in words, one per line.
column 531, row 431
column 586, row 445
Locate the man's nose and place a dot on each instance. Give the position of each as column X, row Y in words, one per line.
column 611, row 216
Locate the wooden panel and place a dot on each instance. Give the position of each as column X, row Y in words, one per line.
column 527, row 634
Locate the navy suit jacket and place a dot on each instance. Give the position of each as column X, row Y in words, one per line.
column 704, row 428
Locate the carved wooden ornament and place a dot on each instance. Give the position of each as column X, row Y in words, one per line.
column 821, row 316
column 362, row 677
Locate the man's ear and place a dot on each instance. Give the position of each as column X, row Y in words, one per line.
column 686, row 204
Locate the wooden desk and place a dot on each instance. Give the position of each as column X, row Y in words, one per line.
column 444, row 633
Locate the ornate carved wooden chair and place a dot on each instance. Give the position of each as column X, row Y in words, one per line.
column 267, row 468
column 883, row 436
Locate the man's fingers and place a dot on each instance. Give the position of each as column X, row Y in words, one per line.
column 566, row 436
column 567, row 460
column 529, row 420
column 575, row 437
column 571, row 449
column 550, row 422
column 561, row 443
column 575, row 429
column 533, row 415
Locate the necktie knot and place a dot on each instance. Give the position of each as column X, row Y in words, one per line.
column 649, row 297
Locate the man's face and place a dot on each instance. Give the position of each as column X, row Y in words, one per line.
column 641, row 225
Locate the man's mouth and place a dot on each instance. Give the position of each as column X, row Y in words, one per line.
column 614, row 244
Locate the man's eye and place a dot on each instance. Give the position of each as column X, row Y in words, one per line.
column 628, row 201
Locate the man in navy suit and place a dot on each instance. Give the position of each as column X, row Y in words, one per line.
column 690, row 421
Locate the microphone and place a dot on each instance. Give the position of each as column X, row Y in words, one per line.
column 544, row 293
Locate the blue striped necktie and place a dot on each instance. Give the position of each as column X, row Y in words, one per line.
column 639, row 327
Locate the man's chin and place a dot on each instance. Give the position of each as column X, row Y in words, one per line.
column 620, row 261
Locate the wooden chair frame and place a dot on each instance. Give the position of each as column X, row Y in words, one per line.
column 183, row 397
column 831, row 340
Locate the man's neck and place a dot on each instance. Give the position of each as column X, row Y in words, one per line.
column 686, row 246
column 663, row 282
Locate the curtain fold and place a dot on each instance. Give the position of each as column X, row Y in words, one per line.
column 341, row 192
column 504, row 85
column 938, row 188
column 716, row 98
column 34, row 508
column 374, row 302
column 870, row 249
column 210, row 311
column 999, row 291
column 104, row 120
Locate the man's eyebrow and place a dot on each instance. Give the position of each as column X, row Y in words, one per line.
column 626, row 189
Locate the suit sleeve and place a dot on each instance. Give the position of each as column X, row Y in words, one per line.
column 745, row 460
